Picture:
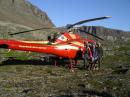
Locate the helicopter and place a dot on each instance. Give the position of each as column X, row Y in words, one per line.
column 67, row 45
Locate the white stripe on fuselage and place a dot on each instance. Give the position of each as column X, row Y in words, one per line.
column 67, row 47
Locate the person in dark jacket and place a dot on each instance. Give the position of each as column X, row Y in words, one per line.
column 99, row 54
column 87, row 54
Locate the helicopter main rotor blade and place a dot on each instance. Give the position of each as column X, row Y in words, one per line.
column 64, row 27
column 90, row 34
column 89, row 20
column 30, row 30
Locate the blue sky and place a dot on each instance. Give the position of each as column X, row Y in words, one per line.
column 63, row 12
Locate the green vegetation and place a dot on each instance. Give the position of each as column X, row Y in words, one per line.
column 40, row 80
column 111, row 61
column 21, row 77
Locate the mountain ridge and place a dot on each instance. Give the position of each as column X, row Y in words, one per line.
column 24, row 13
column 20, row 15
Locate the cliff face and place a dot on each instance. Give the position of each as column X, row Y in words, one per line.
column 20, row 15
column 24, row 13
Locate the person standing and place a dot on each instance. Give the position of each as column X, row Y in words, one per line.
column 99, row 54
column 94, row 55
column 49, row 40
column 87, row 54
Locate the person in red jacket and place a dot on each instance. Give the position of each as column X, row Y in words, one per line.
column 87, row 54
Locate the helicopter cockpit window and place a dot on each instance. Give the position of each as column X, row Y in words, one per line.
column 62, row 37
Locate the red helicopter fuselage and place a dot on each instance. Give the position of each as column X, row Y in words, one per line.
column 66, row 46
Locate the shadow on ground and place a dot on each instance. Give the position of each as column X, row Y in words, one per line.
column 23, row 62
column 88, row 93
column 13, row 61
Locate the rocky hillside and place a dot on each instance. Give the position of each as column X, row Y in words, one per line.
column 107, row 34
column 19, row 15
column 24, row 13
